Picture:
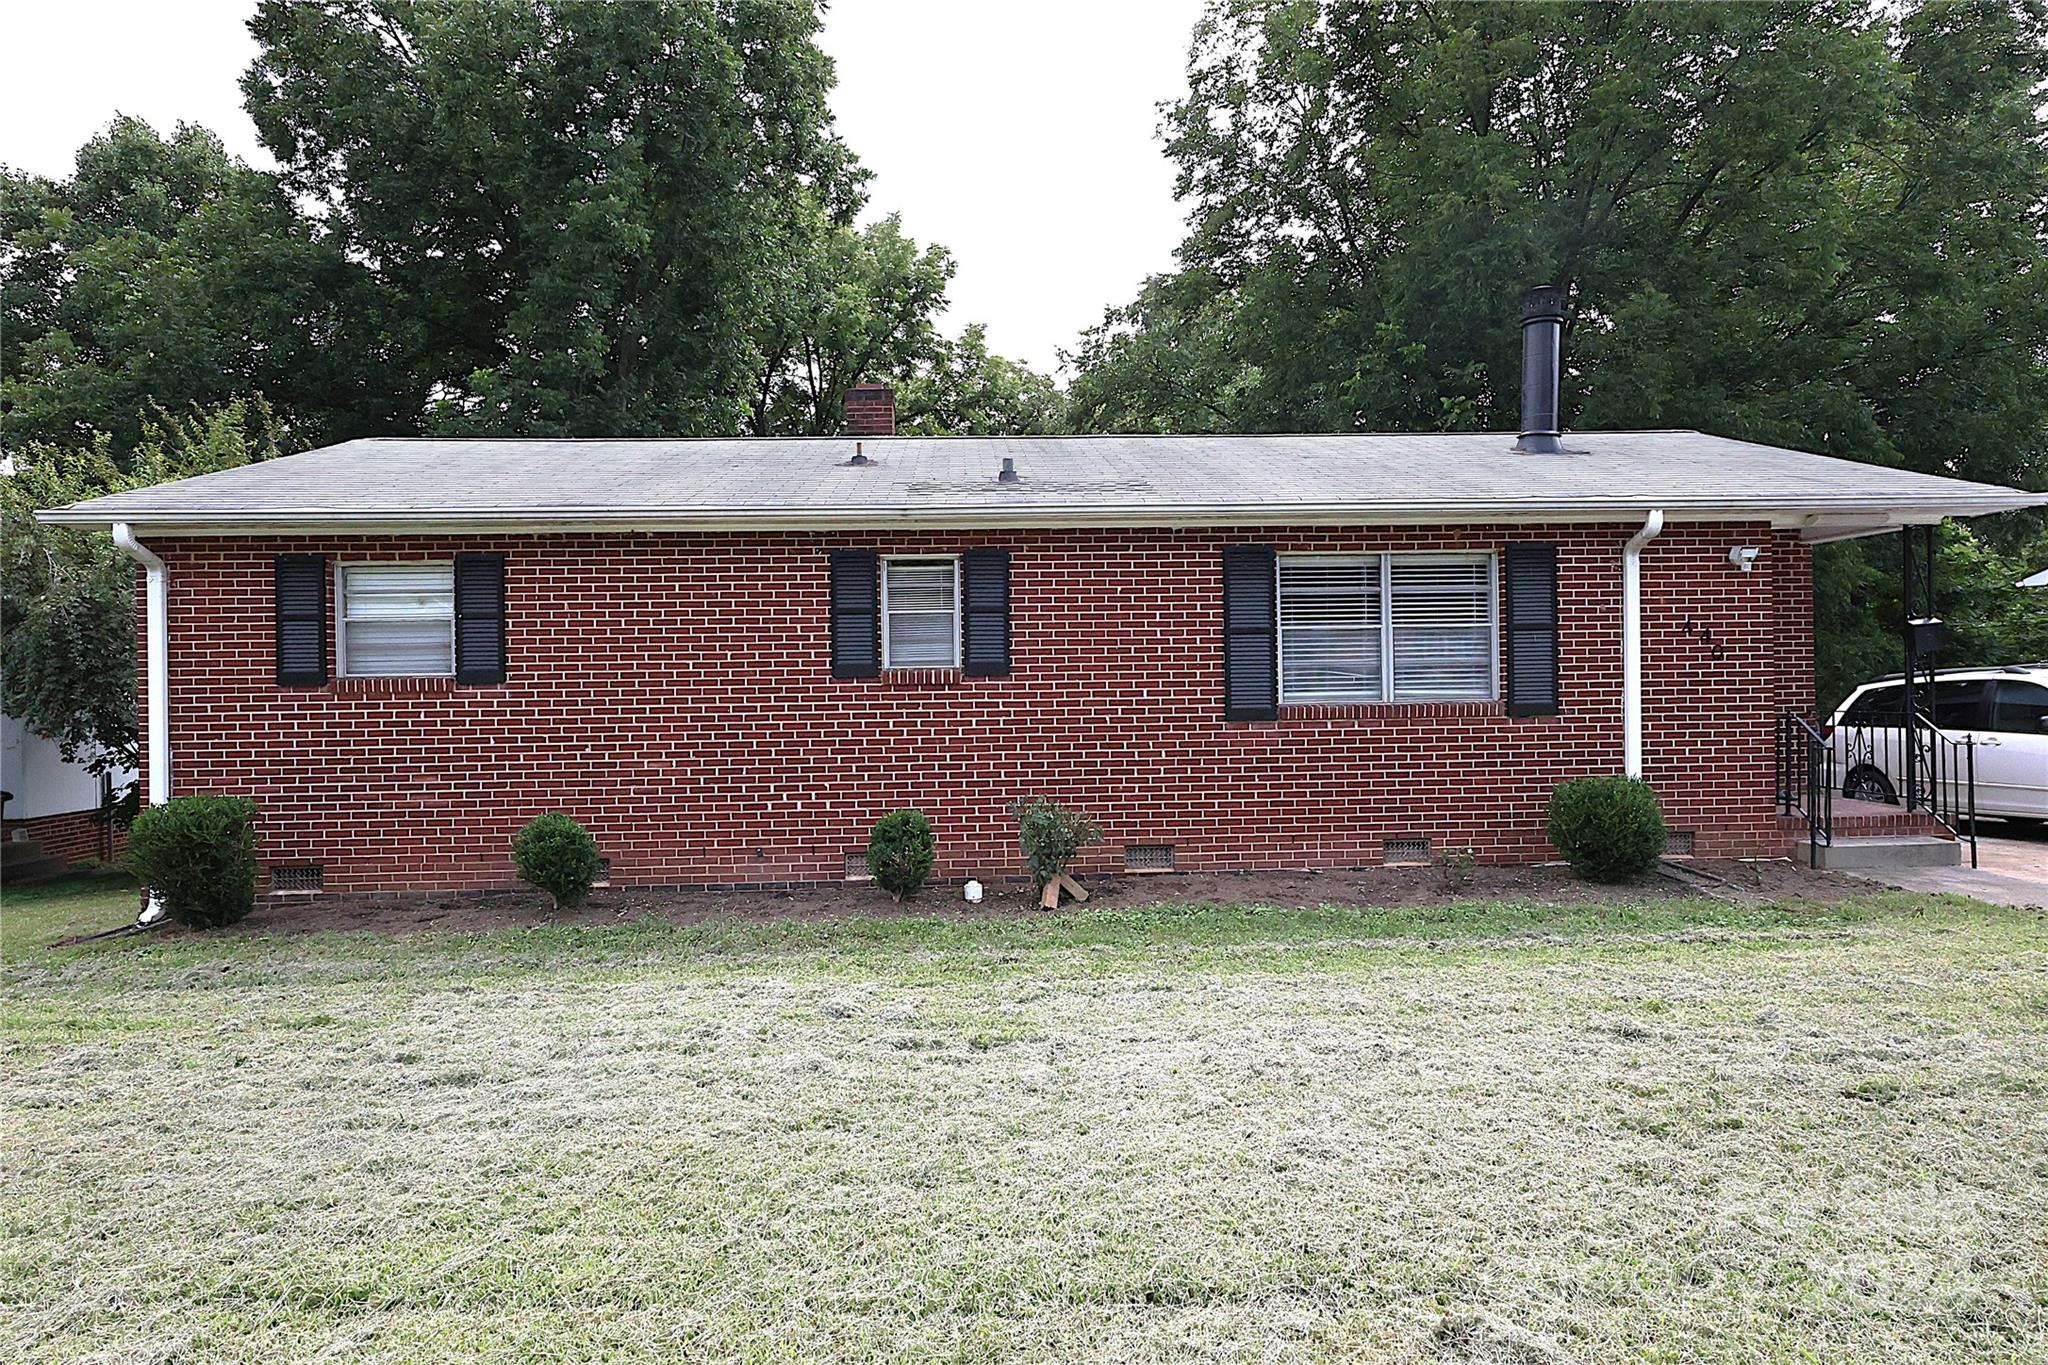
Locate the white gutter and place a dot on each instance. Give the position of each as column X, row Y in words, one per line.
column 157, row 709
column 1632, row 643
column 1854, row 515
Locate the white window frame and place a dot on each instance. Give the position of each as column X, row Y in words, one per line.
column 958, row 594
column 1386, row 622
column 341, row 573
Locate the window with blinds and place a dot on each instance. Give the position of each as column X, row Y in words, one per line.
column 920, row 613
column 1386, row 628
column 396, row 620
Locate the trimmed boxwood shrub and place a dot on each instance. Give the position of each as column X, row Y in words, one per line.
column 1608, row 828
column 900, row 852
column 198, row 854
column 558, row 856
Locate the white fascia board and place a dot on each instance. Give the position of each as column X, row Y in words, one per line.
column 1817, row 518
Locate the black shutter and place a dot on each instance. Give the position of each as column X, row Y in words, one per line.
column 985, row 589
column 479, row 618
column 299, row 592
column 856, row 614
column 1251, row 656
column 1531, row 593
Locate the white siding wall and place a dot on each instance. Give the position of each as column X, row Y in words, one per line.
column 42, row 782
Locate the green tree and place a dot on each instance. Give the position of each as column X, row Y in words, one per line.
column 67, row 596
column 1816, row 224
column 164, row 273
column 575, row 211
column 859, row 306
column 863, row 306
column 961, row 388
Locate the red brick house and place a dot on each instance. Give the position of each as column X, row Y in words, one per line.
column 729, row 657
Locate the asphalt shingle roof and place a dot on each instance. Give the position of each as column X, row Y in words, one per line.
column 1092, row 480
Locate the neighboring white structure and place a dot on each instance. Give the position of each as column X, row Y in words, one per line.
column 41, row 781
column 2038, row 580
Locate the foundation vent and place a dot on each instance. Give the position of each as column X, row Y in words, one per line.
column 1148, row 857
column 857, row 866
column 604, row 872
column 1404, row 850
column 303, row 878
column 1678, row 843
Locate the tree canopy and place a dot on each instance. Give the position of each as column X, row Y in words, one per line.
column 493, row 218
column 163, row 273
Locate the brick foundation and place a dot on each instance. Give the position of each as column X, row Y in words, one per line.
column 673, row 692
column 73, row 835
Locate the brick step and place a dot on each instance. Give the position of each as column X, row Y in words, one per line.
column 1880, row 852
column 1869, row 819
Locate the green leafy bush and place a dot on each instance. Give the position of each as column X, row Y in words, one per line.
column 1051, row 835
column 900, row 852
column 1608, row 828
column 198, row 854
column 557, row 855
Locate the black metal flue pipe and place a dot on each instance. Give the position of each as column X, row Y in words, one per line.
column 1542, row 346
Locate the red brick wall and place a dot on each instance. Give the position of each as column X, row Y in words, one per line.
column 674, row 693
column 71, row 835
column 1792, row 579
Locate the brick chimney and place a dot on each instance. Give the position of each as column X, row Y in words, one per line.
column 871, row 410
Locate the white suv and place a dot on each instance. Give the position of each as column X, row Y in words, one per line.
column 2005, row 710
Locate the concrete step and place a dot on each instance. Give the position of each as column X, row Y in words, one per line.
column 14, row 851
column 1886, row 851
column 20, row 872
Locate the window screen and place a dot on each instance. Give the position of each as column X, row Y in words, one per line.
column 1386, row 627
column 1331, row 619
column 921, row 612
column 397, row 619
column 1442, row 611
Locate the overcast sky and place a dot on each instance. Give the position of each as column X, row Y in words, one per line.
column 1023, row 136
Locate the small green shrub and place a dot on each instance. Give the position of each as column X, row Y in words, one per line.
column 1051, row 835
column 1454, row 868
column 198, row 854
column 900, row 852
column 1608, row 828
column 558, row 856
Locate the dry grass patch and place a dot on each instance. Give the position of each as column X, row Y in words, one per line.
column 1694, row 1132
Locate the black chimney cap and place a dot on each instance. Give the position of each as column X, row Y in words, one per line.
column 1544, row 303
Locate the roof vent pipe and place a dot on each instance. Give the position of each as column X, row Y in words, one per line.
column 1009, row 471
column 858, row 458
column 1542, row 342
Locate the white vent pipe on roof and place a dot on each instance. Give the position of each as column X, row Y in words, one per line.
column 156, row 594
column 1632, row 642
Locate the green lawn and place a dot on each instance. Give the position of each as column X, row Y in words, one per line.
column 1679, row 1131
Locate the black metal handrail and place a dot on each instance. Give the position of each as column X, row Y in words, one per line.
column 1935, row 773
column 1806, row 780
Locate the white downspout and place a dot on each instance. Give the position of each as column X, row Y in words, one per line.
column 1632, row 642
column 157, row 700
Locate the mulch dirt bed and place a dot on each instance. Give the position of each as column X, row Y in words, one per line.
column 1375, row 886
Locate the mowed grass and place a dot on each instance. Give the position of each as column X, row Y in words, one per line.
column 1669, row 1131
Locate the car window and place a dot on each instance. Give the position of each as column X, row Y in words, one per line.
column 2021, row 708
column 1960, row 705
column 1878, row 706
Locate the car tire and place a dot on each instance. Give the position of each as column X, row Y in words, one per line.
column 1866, row 783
